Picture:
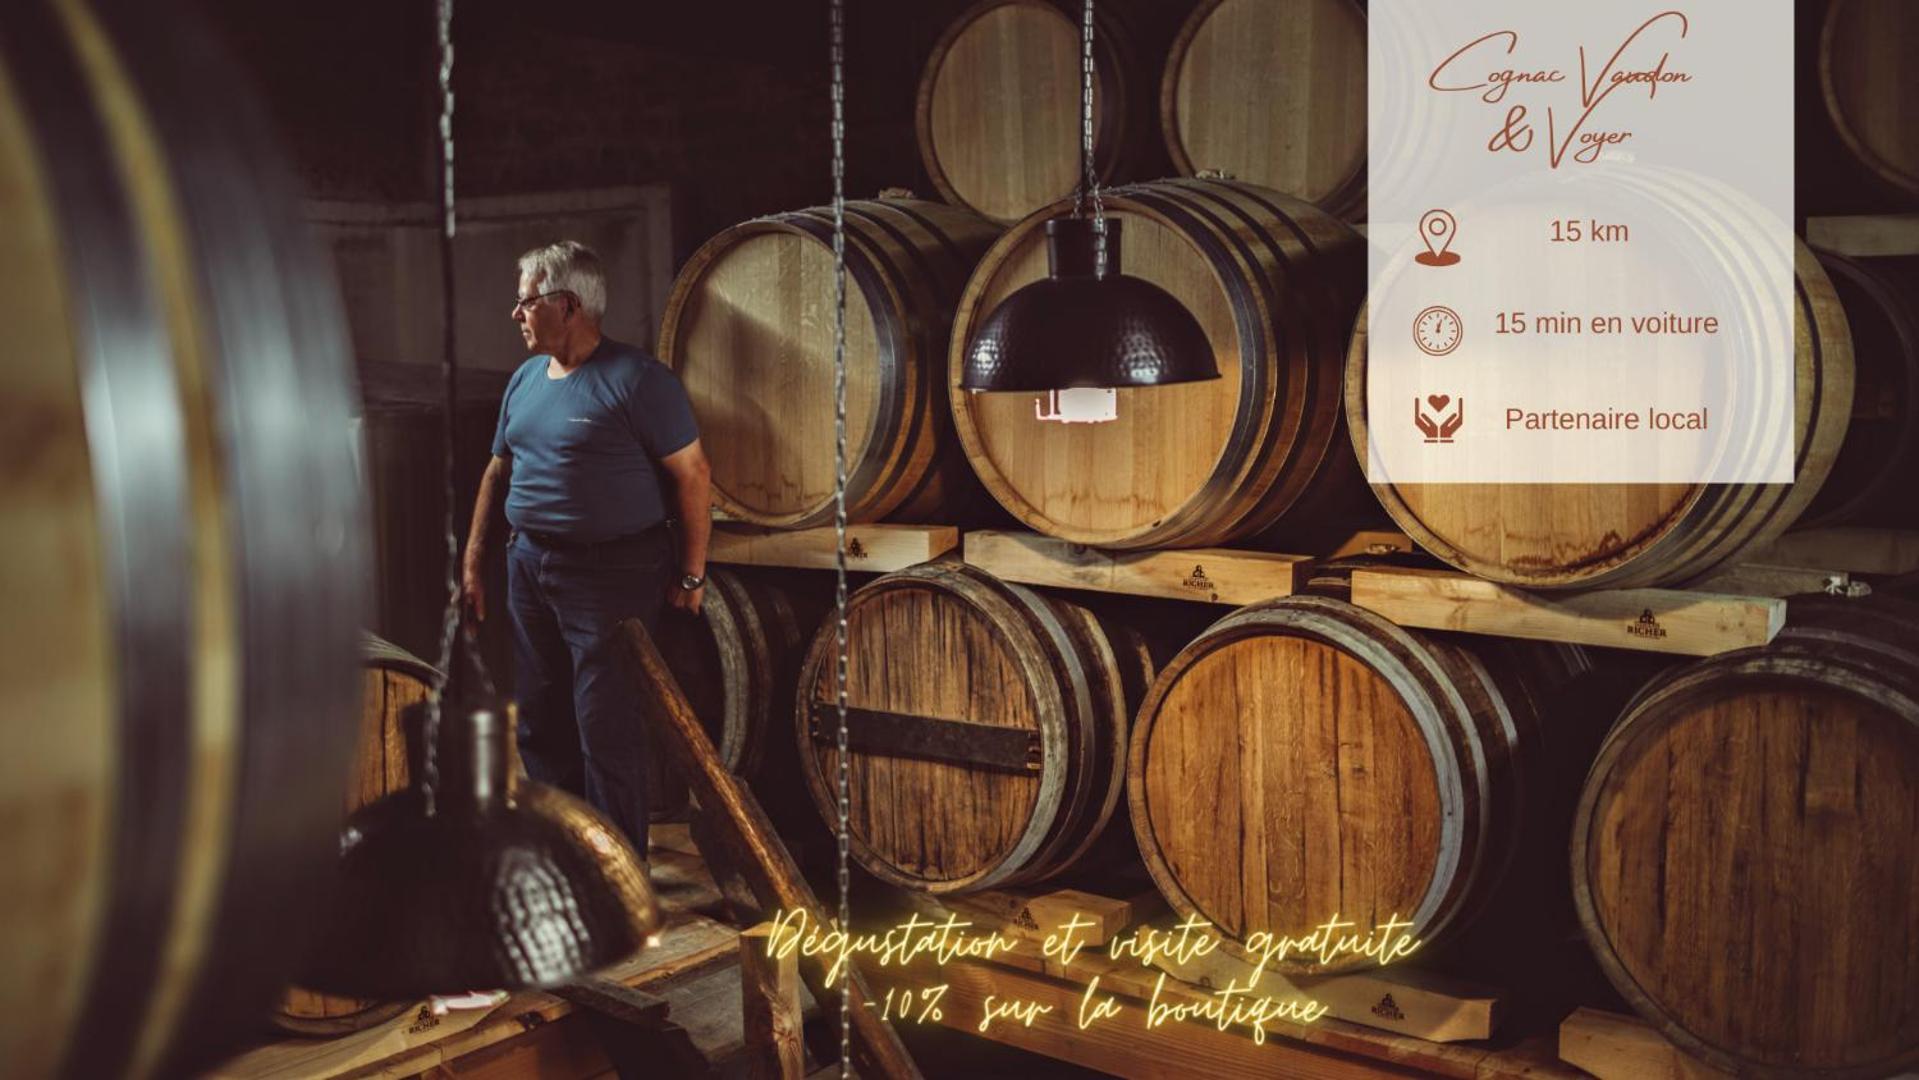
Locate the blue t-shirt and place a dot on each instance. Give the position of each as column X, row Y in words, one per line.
column 584, row 446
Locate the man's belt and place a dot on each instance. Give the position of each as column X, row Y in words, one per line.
column 563, row 542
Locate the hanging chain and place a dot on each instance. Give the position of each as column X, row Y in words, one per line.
column 837, row 32
column 451, row 624
column 1090, row 186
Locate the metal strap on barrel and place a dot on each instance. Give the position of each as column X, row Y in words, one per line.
column 928, row 738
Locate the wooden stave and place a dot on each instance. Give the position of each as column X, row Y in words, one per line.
column 1481, row 831
column 1346, row 200
column 1064, row 822
column 1868, row 650
column 182, row 249
column 1884, row 325
column 309, row 1012
column 1719, row 521
column 1258, row 480
column 912, row 282
column 1119, row 77
column 1902, row 177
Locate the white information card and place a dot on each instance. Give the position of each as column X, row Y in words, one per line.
column 1581, row 220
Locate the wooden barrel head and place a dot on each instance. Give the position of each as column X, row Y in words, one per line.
column 1283, row 780
column 1102, row 482
column 1304, row 62
column 950, row 649
column 1864, row 70
column 1744, row 865
column 1000, row 108
column 755, row 354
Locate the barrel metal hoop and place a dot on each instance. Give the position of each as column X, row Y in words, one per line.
column 929, row 738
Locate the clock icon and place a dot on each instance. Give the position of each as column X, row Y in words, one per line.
column 1438, row 330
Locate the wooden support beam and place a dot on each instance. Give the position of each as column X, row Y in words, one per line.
column 1211, row 575
column 1866, row 234
column 1650, row 620
column 1759, row 579
column 1422, row 1004
column 869, row 548
column 740, row 827
column 770, row 1002
column 1615, row 1047
column 1862, row 551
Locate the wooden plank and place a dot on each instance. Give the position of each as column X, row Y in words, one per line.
column 869, row 548
column 1650, row 620
column 1872, row 234
column 1760, row 579
column 420, row 1040
column 1211, row 575
column 770, row 1004
column 739, row 824
column 1862, row 551
column 1615, row 1047
column 1422, row 1004
column 616, row 1000
column 1123, row 1045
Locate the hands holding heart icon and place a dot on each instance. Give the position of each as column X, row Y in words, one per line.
column 1438, row 417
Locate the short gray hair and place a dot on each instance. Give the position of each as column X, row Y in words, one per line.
column 571, row 266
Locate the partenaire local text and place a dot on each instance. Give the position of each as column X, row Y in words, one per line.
column 1651, row 419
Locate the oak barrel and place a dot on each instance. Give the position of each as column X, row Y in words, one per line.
column 1304, row 62
column 1872, row 478
column 1576, row 535
column 1744, row 858
column 1865, row 53
column 1305, row 758
column 187, row 565
column 749, row 328
column 999, row 118
column 1274, row 282
column 739, row 661
column 987, row 728
column 393, row 682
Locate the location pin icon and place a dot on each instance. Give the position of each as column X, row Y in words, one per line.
column 1437, row 229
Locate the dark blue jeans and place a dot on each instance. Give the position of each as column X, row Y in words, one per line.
column 580, row 723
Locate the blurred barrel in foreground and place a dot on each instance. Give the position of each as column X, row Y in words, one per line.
column 177, row 646
column 1303, row 62
column 999, row 116
column 1746, row 853
column 986, row 728
column 396, row 685
column 1275, row 283
column 749, row 330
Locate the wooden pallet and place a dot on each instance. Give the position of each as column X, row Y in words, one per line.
column 869, row 548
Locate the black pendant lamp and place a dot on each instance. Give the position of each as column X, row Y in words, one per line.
column 470, row 878
column 1086, row 325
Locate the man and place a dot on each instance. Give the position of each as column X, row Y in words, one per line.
column 590, row 430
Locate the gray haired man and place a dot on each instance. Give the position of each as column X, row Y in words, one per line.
column 590, row 432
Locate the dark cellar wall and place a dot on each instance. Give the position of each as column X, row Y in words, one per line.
column 724, row 100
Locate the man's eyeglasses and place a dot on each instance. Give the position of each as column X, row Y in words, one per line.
column 520, row 303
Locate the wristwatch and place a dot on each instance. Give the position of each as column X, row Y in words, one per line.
column 691, row 582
